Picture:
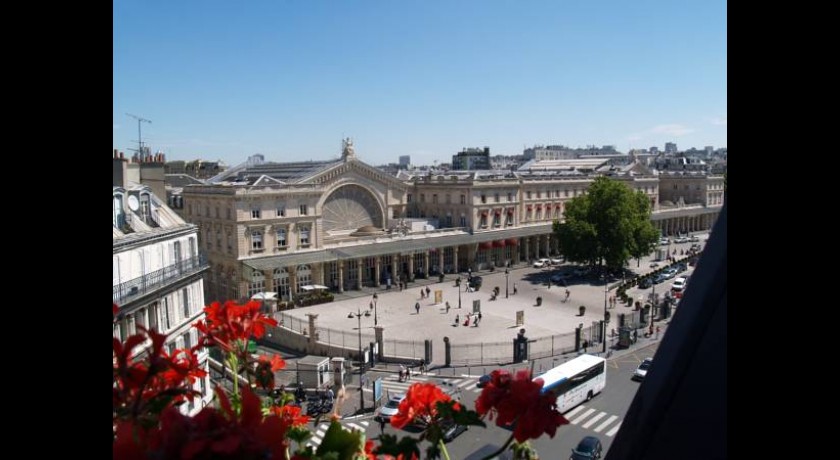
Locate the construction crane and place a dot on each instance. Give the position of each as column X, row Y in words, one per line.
column 140, row 120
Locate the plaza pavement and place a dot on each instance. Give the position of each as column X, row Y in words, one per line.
column 395, row 309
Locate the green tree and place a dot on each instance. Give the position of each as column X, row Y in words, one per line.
column 607, row 226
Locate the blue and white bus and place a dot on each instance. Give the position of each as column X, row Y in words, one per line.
column 575, row 381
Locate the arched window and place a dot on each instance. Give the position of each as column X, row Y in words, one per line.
column 304, row 276
column 281, row 283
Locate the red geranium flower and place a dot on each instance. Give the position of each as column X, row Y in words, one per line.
column 518, row 400
column 420, row 404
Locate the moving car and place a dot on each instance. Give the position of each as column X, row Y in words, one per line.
column 390, row 408
column 542, row 263
column 475, row 282
column 679, row 283
column 556, row 261
column 483, row 381
column 642, row 370
column 587, row 449
column 646, row 283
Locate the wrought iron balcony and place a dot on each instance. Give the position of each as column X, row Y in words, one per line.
column 131, row 289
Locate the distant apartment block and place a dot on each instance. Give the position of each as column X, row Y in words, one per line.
column 472, row 158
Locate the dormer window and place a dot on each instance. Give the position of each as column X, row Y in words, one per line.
column 119, row 211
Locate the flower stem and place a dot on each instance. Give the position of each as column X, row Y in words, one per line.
column 443, row 449
column 501, row 449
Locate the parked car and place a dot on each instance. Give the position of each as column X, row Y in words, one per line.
column 694, row 238
column 581, row 271
column 390, row 408
column 663, row 241
column 659, row 277
column 451, row 430
column 475, row 282
column 681, row 239
column 556, row 261
column 642, row 370
column 589, row 448
column 559, row 278
column 646, row 283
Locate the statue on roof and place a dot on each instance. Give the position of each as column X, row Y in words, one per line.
column 348, row 151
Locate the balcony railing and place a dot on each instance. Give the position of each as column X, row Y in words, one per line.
column 125, row 292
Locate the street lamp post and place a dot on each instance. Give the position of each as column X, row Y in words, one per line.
column 358, row 315
column 604, row 335
column 507, row 272
column 459, row 294
column 375, row 316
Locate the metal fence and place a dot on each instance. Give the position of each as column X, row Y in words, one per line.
column 481, row 353
column 553, row 345
column 414, row 349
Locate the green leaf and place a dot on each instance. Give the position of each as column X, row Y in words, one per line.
column 389, row 445
column 338, row 440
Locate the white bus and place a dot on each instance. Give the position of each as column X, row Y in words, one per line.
column 576, row 381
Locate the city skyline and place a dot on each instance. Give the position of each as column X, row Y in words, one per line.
column 291, row 80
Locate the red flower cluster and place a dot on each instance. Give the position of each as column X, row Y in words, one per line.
column 420, row 405
column 265, row 370
column 229, row 323
column 517, row 400
column 143, row 387
column 212, row 433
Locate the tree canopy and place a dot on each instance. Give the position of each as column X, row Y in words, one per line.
column 607, row 226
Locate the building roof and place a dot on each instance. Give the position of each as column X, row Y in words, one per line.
column 180, row 180
column 291, row 173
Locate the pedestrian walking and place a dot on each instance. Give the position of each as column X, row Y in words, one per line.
column 467, row 321
column 330, row 395
column 417, row 307
column 422, row 294
column 514, row 289
column 408, row 373
column 479, row 315
column 381, row 425
column 457, row 319
column 657, row 332
column 567, row 295
column 447, row 306
column 428, row 291
column 371, row 305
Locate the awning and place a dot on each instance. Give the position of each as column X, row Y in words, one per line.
column 499, row 244
column 264, row 296
column 498, row 212
column 485, row 245
column 483, row 213
column 512, row 241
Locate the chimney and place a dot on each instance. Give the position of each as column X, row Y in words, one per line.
column 122, row 156
column 116, row 153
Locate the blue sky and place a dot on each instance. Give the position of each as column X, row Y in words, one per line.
column 290, row 79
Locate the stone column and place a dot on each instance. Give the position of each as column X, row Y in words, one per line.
column 547, row 245
column 377, row 261
column 359, row 273
column 440, row 259
column 293, row 288
column 455, row 259
column 527, row 241
column 426, row 262
column 411, row 266
column 395, row 267
column 340, row 276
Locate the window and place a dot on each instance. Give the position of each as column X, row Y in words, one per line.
column 304, row 236
column 228, row 213
column 496, row 220
column 463, row 221
column 496, row 198
column 483, row 220
column 186, row 297
column 167, row 320
column 509, row 219
column 538, row 214
column 408, row 198
column 187, row 339
column 229, row 243
column 528, row 194
column 189, row 209
column 255, row 214
column 281, row 238
column 153, row 315
column 422, row 197
column 303, row 210
column 217, row 212
column 434, row 198
column 539, row 194
column 256, row 240
column 281, row 210
column 510, row 197
column 207, row 210
column 566, row 192
column 483, row 198
column 463, row 199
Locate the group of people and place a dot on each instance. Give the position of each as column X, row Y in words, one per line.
column 475, row 318
column 405, row 373
column 424, row 293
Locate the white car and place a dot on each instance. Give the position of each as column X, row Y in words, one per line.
column 679, row 283
column 391, row 408
column 556, row 261
column 542, row 263
column 694, row 239
column 681, row 239
column 642, row 370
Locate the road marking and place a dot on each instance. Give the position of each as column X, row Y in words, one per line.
column 594, row 419
column 614, row 430
column 358, row 427
column 607, row 422
column 572, row 412
column 320, row 432
column 464, row 383
column 470, row 376
column 585, row 414
column 473, row 387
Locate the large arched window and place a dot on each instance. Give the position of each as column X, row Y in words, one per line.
column 281, row 283
column 304, row 276
column 257, row 283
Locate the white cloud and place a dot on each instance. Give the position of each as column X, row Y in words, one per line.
column 635, row 137
column 672, row 130
column 719, row 121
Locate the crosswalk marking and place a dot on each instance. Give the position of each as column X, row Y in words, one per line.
column 604, row 425
column 594, row 419
column 585, row 414
column 574, row 411
column 614, row 430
